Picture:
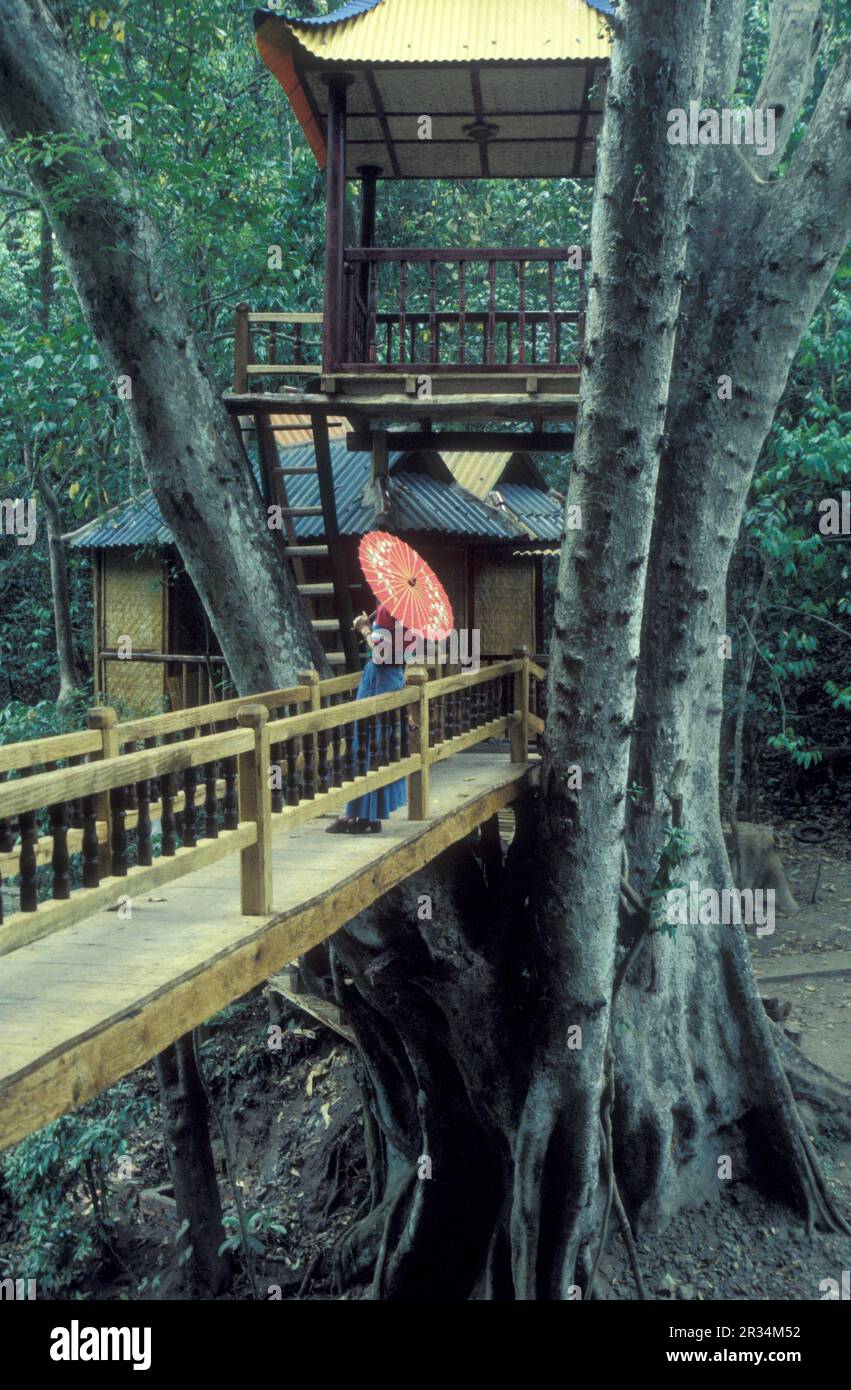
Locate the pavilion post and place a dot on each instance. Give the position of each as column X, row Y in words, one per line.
column 368, row 188
column 335, row 209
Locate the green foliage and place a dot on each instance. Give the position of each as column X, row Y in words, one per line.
column 790, row 594
column 61, row 1183
column 679, row 845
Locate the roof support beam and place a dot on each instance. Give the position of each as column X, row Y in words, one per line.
column 464, row 441
column 379, row 111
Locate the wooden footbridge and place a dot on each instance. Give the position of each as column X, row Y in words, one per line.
column 220, row 810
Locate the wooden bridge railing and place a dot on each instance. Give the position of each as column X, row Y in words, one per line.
column 179, row 791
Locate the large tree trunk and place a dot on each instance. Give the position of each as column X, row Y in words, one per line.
column 536, row 1133
column 69, row 676
column 123, row 283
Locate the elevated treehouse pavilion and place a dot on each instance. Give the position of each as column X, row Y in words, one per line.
column 404, row 89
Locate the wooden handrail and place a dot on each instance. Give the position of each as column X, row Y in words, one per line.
column 53, row 748
column 71, row 783
column 452, row 714
column 453, row 254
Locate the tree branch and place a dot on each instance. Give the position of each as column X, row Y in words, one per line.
column 795, row 32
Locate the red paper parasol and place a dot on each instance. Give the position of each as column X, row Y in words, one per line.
column 404, row 583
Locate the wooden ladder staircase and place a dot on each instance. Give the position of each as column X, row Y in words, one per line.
column 335, row 633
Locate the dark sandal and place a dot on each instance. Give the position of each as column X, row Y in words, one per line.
column 364, row 827
column 339, row 827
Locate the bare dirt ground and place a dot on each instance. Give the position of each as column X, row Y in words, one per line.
column 742, row 1246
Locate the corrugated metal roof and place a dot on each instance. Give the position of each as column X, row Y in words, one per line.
column 444, row 31
column 539, row 512
column 346, row 11
column 478, row 473
column 138, row 521
column 420, row 503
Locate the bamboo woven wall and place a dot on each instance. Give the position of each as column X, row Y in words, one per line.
column 505, row 602
column 132, row 606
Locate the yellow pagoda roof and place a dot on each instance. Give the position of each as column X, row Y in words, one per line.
column 512, row 88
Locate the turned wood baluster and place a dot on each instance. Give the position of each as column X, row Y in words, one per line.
column 231, row 802
column 168, row 820
column 291, row 753
column 60, row 860
column 118, row 837
column 403, row 307
column 154, row 783
column 211, row 801
column 144, row 848
column 551, row 305
column 521, row 328
column 349, row 755
column 491, row 328
column 399, row 720
column 309, row 790
column 386, row 735
column 132, row 804
column 372, row 723
column 404, row 732
column 91, row 862
column 432, row 311
column 277, row 790
column 322, row 746
column 462, row 312
column 337, row 750
column 189, row 782
column 28, row 868
column 363, row 747
column 373, row 289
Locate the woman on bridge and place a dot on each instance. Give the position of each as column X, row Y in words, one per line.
column 382, row 673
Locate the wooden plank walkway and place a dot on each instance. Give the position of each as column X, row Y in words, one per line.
column 81, row 1008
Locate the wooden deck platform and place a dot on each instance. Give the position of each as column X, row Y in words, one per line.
column 81, row 1008
column 363, row 399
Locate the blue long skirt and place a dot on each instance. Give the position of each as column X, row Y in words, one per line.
column 378, row 679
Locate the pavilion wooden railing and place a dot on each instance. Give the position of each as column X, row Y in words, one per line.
column 183, row 790
column 479, row 333
column 292, row 346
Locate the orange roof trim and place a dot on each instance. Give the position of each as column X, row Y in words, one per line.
column 277, row 55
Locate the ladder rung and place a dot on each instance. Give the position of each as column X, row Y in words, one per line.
column 325, row 624
column 293, row 470
column 306, row 551
column 315, row 590
column 302, row 511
